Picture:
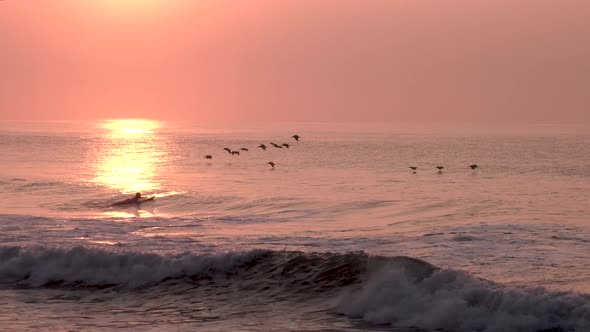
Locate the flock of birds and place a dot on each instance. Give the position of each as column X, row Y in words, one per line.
column 296, row 137
column 440, row 168
column 261, row 146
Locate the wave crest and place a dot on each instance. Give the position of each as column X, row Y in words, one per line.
column 82, row 266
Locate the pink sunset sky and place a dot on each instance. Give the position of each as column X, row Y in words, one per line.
column 525, row 61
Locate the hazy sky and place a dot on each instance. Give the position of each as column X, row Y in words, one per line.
column 298, row 60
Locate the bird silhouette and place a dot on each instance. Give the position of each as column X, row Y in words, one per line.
column 413, row 168
column 208, row 156
column 271, row 164
column 296, row 137
column 440, row 168
column 262, row 146
column 243, row 149
column 235, row 153
column 228, row 150
column 285, row 145
column 276, row 145
column 473, row 166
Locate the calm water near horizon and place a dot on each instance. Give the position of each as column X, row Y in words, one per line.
column 340, row 236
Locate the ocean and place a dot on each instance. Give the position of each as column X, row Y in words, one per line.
column 340, row 236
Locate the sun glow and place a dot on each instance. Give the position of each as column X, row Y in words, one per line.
column 131, row 128
column 129, row 6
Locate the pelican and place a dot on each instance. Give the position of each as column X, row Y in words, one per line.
column 208, row 156
column 285, row 145
column 262, row 146
column 276, row 145
column 228, row 150
column 296, row 137
column 473, row 167
column 235, row 152
column 243, row 149
column 271, row 164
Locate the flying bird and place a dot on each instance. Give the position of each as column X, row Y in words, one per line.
column 285, row 145
column 271, row 164
column 473, row 167
column 276, row 145
column 440, row 168
column 296, row 137
column 413, row 168
column 235, row 152
column 262, row 146
column 228, row 150
column 243, row 149
column 208, row 156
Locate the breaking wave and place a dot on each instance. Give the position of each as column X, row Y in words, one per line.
column 398, row 291
column 451, row 300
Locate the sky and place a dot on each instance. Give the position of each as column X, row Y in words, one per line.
column 215, row 61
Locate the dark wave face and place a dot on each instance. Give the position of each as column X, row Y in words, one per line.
column 395, row 291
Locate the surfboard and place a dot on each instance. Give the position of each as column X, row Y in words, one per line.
column 147, row 199
column 127, row 202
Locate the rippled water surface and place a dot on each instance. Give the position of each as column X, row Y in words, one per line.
column 521, row 221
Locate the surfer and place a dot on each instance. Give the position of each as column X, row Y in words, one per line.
column 135, row 199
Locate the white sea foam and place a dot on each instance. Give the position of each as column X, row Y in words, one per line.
column 86, row 266
column 456, row 301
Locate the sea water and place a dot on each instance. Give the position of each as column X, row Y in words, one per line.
column 340, row 236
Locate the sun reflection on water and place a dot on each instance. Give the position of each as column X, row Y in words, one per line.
column 129, row 159
column 127, row 215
